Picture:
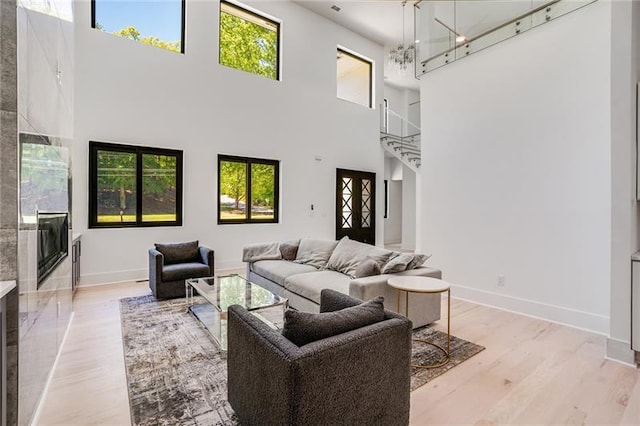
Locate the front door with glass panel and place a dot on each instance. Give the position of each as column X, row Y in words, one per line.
column 355, row 205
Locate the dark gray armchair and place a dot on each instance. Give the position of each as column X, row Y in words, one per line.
column 171, row 264
column 361, row 377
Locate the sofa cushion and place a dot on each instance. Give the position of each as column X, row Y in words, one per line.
column 310, row 285
column 289, row 249
column 315, row 252
column 348, row 254
column 183, row 271
column 304, row 327
column 367, row 268
column 179, row 252
column 278, row 270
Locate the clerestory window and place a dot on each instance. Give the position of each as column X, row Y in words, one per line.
column 249, row 41
column 354, row 78
column 155, row 23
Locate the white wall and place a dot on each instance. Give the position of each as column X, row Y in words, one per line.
column 399, row 100
column 395, row 99
column 516, row 170
column 131, row 93
column 408, row 209
column 625, row 39
column 393, row 222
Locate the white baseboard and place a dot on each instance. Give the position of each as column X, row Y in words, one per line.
column 620, row 351
column 45, row 391
column 230, row 264
column 558, row 314
column 102, row 278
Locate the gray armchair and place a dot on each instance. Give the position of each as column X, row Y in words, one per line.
column 361, row 377
column 171, row 264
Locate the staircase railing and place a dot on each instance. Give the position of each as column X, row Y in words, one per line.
column 401, row 138
column 451, row 30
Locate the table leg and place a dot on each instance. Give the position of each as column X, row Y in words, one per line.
column 406, row 303
column 446, row 352
column 449, row 323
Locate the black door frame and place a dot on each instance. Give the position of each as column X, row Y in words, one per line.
column 356, row 232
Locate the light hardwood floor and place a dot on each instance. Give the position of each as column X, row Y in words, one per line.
column 531, row 372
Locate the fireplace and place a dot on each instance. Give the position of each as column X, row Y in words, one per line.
column 53, row 242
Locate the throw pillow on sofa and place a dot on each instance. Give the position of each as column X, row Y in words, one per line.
column 367, row 268
column 397, row 263
column 404, row 262
column 348, row 254
column 315, row 252
column 304, row 327
column 289, row 249
column 418, row 260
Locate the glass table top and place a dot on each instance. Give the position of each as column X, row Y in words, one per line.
column 225, row 291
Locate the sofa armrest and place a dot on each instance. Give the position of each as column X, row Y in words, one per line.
column 376, row 285
column 423, row 308
column 207, row 257
column 382, row 377
column 259, row 369
column 156, row 262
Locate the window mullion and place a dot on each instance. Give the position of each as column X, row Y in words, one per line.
column 139, row 186
column 248, row 192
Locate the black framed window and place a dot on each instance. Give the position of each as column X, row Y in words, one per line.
column 134, row 186
column 354, row 78
column 158, row 23
column 248, row 190
column 249, row 41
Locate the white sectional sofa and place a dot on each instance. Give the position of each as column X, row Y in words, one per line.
column 340, row 266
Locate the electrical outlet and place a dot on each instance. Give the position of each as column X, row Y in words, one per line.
column 501, row 280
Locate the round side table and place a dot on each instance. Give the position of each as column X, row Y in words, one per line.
column 425, row 285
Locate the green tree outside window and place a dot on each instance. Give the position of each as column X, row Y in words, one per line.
column 248, row 190
column 248, row 42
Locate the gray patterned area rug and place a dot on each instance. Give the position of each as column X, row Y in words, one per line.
column 177, row 375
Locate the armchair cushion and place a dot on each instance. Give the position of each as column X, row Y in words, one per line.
column 183, row 271
column 179, row 252
column 304, row 327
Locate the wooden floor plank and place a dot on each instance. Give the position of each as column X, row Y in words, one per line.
column 532, row 371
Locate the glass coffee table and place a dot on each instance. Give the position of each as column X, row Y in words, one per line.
column 221, row 292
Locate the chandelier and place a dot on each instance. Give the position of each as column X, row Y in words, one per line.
column 402, row 56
